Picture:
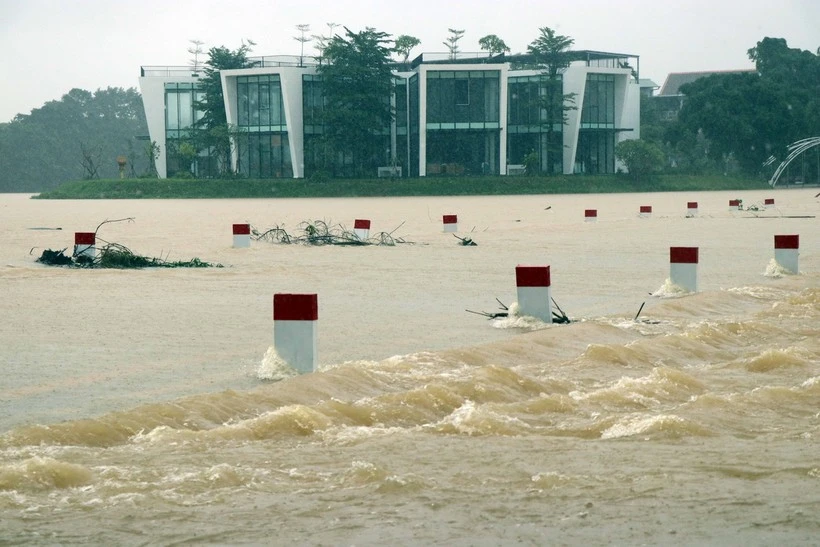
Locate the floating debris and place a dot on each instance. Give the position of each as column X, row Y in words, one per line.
column 319, row 232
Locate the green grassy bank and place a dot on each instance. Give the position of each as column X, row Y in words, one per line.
column 424, row 186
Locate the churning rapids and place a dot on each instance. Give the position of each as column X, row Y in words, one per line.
column 145, row 406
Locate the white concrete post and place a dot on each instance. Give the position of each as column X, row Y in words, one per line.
column 683, row 267
column 590, row 215
column 691, row 208
column 295, row 318
column 768, row 203
column 241, row 236
column 85, row 244
column 533, row 288
column 735, row 205
column 361, row 227
column 450, row 223
column 646, row 211
column 786, row 251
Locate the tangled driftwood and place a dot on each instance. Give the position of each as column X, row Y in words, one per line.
column 319, row 232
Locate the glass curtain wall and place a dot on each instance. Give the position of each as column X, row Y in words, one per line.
column 596, row 139
column 528, row 133
column 312, row 107
column 463, row 122
column 181, row 155
column 262, row 140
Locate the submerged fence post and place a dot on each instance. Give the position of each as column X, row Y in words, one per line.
column 786, row 251
column 691, row 208
column 295, row 318
column 683, row 267
column 533, row 288
column 768, row 203
column 241, row 236
column 646, row 211
column 85, row 244
column 361, row 227
column 590, row 215
column 735, row 205
column 450, row 223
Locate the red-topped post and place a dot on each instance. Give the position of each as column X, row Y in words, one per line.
column 691, row 208
column 786, row 251
column 646, row 211
column 590, row 215
column 241, row 236
column 533, row 288
column 361, row 227
column 85, row 244
column 295, row 318
column 683, row 267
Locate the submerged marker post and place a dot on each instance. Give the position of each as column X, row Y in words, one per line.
column 85, row 244
column 533, row 289
column 768, row 203
column 295, row 318
column 450, row 223
column 683, row 267
column 646, row 211
column 786, row 251
column 691, row 208
column 735, row 205
column 361, row 227
column 590, row 215
column 241, row 236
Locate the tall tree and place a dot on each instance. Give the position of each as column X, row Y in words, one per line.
column 452, row 42
column 357, row 84
column 493, row 45
column 211, row 132
column 404, row 44
column 551, row 55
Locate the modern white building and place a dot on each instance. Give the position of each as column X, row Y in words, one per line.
column 470, row 115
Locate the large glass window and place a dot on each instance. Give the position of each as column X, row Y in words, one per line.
column 259, row 103
column 180, row 112
column 461, row 99
column 598, row 109
column 264, row 155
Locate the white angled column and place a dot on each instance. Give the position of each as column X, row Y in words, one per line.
column 85, row 245
column 590, row 215
column 683, row 267
column 691, row 208
column 533, row 288
column 786, row 251
column 646, row 211
column 241, row 236
column 295, row 318
column 361, row 227
column 450, row 223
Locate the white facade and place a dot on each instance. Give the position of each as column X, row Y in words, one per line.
column 622, row 124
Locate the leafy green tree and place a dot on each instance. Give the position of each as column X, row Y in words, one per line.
column 493, row 45
column 640, row 157
column 211, row 134
column 551, row 55
column 357, row 83
column 404, row 44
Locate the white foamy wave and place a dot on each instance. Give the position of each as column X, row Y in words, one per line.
column 670, row 290
column 775, row 270
column 638, row 426
column 273, row 367
column 517, row 321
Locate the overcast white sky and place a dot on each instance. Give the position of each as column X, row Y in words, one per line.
column 48, row 47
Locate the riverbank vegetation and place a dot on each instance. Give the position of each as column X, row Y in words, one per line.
column 423, row 186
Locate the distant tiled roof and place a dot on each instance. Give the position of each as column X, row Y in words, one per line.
column 676, row 79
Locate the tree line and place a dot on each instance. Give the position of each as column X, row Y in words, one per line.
column 79, row 136
column 740, row 122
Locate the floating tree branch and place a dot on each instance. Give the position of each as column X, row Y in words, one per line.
column 319, row 232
